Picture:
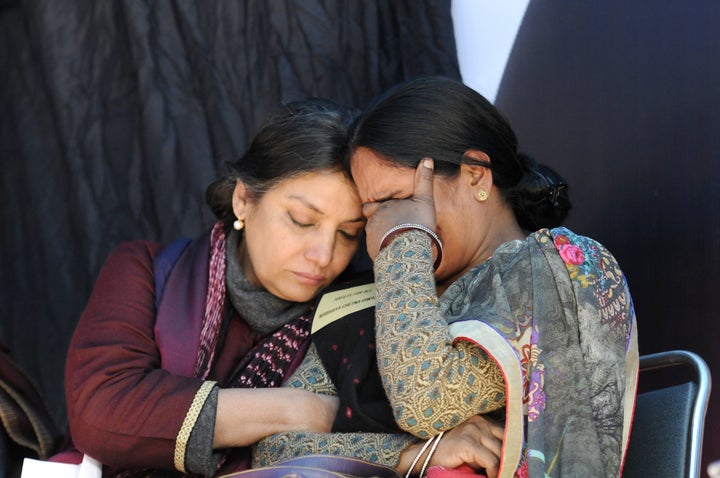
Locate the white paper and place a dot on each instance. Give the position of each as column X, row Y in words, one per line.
column 89, row 468
column 44, row 469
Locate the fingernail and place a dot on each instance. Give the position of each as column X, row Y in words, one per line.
column 428, row 163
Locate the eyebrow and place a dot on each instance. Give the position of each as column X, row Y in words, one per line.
column 310, row 205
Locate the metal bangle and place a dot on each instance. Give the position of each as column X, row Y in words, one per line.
column 430, row 453
column 400, row 228
column 417, row 457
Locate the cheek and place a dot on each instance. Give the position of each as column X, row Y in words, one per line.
column 268, row 249
column 343, row 254
column 455, row 207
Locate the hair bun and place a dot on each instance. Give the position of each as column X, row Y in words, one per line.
column 541, row 198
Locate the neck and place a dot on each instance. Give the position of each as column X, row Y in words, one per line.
column 503, row 228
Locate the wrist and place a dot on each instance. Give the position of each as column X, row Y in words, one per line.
column 407, row 456
column 417, row 455
column 395, row 231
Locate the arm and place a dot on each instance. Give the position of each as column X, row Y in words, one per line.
column 244, row 417
column 475, row 443
column 123, row 409
column 433, row 384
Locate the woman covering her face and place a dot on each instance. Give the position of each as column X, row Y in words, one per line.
column 550, row 308
column 485, row 307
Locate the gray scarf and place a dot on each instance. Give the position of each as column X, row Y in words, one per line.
column 263, row 312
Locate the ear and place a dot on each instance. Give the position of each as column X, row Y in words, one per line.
column 240, row 199
column 478, row 176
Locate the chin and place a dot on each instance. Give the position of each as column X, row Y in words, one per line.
column 298, row 295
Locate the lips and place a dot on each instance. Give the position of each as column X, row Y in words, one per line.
column 310, row 279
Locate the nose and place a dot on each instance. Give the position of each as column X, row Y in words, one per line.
column 320, row 249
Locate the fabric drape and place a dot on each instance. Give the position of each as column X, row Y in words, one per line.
column 116, row 115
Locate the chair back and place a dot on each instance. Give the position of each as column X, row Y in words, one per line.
column 667, row 430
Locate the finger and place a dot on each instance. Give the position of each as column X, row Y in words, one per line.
column 492, row 444
column 496, row 429
column 484, row 439
column 492, row 471
column 482, row 458
column 487, row 433
column 424, row 180
column 369, row 209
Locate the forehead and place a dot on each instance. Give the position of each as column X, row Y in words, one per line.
column 377, row 179
column 323, row 191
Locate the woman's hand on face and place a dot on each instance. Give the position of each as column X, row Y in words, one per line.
column 417, row 209
column 477, row 443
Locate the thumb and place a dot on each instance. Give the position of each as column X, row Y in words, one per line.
column 424, row 181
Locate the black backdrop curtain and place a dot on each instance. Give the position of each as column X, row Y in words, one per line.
column 623, row 98
column 115, row 115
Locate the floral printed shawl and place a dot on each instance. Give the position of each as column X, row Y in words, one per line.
column 555, row 312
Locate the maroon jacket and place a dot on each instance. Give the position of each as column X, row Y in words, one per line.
column 123, row 408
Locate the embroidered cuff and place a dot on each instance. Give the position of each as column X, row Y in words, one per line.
column 190, row 419
column 200, row 458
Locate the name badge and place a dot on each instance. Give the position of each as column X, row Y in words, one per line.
column 340, row 303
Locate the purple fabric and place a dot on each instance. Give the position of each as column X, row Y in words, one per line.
column 164, row 264
column 182, row 308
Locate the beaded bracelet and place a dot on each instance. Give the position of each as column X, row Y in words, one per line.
column 400, row 228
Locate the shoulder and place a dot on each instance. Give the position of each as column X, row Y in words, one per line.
column 129, row 261
column 592, row 270
column 139, row 251
column 574, row 249
column 561, row 237
column 139, row 247
column 559, row 246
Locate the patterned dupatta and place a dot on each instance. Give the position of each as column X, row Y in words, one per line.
column 190, row 313
column 190, row 316
column 571, row 377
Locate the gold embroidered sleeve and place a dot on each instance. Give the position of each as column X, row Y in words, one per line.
column 311, row 375
column 383, row 448
column 433, row 384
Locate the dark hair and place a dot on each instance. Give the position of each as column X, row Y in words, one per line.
column 304, row 136
column 443, row 119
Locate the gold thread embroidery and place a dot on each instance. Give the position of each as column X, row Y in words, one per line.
column 438, row 383
column 189, row 422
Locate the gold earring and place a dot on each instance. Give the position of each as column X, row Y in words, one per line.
column 238, row 224
column 482, row 195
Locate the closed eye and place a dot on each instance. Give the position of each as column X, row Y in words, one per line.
column 299, row 223
column 350, row 236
